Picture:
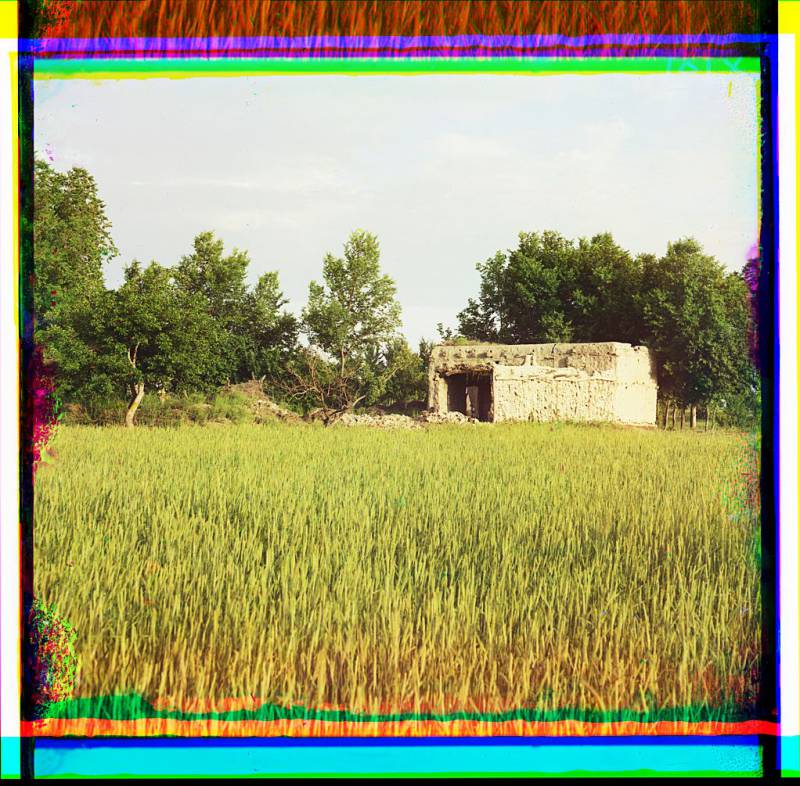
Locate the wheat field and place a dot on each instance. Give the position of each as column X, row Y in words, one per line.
column 452, row 568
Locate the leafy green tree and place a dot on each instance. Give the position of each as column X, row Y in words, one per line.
column 602, row 305
column 259, row 334
column 537, row 283
column 425, row 349
column 221, row 283
column 484, row 319
column 525, row 295
column 696, row 318
column 89, row 364
column 170, row 342
column 221, row 280
column 352, row 315
column 72, row 239
column 550, row 289
column 396, row 375
column 269, row 332
column 409, row 381
column 72, row 242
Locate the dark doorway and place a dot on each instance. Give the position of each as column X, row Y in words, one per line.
column 470, row 394
column 457, row 393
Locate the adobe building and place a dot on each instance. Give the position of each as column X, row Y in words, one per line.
column 584, row 382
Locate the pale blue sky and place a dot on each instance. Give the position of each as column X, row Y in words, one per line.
column 445, row 169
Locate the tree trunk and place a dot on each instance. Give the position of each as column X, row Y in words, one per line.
column 674, row 413
column 683, row 416
column 693, row 416
column 666, row 413
column 134, row 405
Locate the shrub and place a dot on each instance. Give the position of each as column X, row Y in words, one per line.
column 231, row 405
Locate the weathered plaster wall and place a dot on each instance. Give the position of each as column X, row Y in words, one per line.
column 530, row 393
column 596, row 382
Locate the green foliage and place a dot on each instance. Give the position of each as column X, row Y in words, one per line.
column 551, row 289
column 91, row 365
column 696, row 318
column 185, row 329
column 216, row 285
column 231, row 406
column 72, row 239
column 219, row 280
column 397, row 375
column 684, row 306
column 269, row 334
column 352, row 318
column 171, row 341
column 225, row 406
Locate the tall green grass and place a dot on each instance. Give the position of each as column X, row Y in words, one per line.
column 452, row 568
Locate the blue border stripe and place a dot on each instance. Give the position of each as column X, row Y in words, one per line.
column 87, row 758
column 67, row 743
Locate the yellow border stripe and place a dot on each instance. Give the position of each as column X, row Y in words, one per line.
column 8, row 19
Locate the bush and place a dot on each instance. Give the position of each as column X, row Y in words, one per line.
column 231, row 405
column 97, row 411
column 226, row 406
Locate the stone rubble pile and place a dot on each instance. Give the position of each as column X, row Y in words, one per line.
column 268, row 409
column 446, row 417
column 377, row 421
column 402, row 421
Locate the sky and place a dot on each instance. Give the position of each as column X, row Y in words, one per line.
column 445, row 169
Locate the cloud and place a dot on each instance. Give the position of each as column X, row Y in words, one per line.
column 457, row 145
column 308, row 175
column 236, row 220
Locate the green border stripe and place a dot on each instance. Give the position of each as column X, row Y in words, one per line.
column 97, row 68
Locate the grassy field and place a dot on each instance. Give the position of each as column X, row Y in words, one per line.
column 475, row 568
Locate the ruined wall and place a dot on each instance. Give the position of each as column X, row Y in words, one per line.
column 531, row 393
column 591, row 382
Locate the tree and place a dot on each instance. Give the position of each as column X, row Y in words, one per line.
column 220, row 282
column 259, row 335
column 696, row 318
column 603, row 302
column 72, row 239
column 170, row 342
column 485, row 319
column 550, row 289
column 72, row 242
column 270, row 333
column 351, row 315
column 87, row 359
column 398, row 376
column 538, row 282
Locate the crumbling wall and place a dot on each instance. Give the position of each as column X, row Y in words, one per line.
column 546, row 393
column 608, row 381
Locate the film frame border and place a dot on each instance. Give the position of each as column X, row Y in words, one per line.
column 28, row 58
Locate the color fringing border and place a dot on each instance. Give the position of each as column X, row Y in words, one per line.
column 65, row 51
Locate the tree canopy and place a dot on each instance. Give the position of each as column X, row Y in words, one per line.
column 352, row 318
column 199, row 323
column 71, row 236
column 191, row 327
column 683, row 305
